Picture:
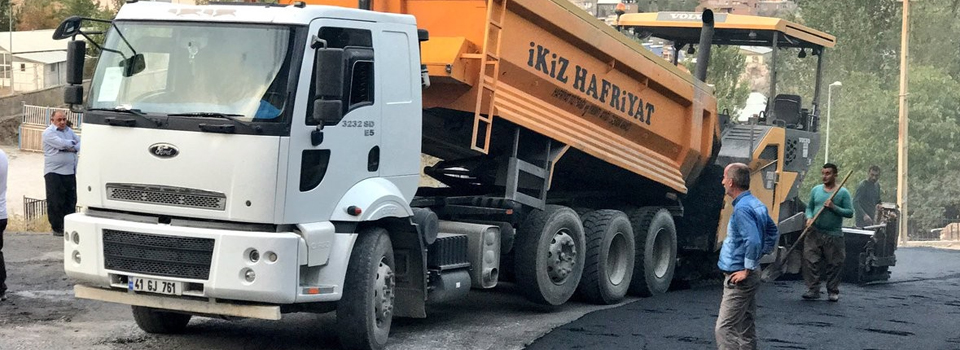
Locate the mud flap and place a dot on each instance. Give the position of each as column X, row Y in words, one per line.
column 411, row 261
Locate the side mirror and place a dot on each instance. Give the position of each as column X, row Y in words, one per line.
column 327, row 111
column 329, row 73
column 76, row 51
column 73, row 95
column 68, row 28
column 133, row 65
column 328, row 80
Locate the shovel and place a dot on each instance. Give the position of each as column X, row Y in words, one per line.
column 774, row 270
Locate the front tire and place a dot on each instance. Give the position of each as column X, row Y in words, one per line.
column 154, row 321
column 365, row 312
column 549, row 255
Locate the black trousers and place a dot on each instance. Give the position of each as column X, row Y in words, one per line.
column 61, row 198
column 3, row 265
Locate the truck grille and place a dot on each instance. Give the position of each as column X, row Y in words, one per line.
column 166, row 195
column 157, row 255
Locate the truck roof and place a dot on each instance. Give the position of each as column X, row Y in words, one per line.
column 252, row 13
column 729, row 29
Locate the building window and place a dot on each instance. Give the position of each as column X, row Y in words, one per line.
column 23, row 67
column 53, row 68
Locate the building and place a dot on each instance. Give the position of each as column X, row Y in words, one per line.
column 606, row 8
column 774, row 8
column 770, row 8
column 737, row 7
column 38, row 61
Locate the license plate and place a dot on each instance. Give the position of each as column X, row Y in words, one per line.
column 149, row 285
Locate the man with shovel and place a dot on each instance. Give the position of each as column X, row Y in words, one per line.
column 823, row 248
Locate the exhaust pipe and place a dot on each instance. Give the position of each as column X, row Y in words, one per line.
column 706, row 38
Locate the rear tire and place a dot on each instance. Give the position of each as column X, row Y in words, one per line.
column 610, row 257
column 656, row 253
column 549, row 255
column 154, row 321
column 365, row 312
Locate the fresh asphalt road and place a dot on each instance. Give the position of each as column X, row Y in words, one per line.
column 919, row 308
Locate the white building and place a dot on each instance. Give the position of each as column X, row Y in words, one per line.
column 38, row 61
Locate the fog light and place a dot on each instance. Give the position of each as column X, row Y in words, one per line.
column 254, row 256
column 249, row 275
column 76, row 237
column 271, row 257
column 76, row 256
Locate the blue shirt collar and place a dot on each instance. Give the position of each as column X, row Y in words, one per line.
column 743, row 194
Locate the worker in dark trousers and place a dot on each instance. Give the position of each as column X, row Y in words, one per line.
column 60, row 147
column 867, row 197
column 823, row 248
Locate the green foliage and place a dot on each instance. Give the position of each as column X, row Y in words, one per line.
column 726, row 64
column 865, row 110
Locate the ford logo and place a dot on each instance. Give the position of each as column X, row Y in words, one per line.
column 164, row 150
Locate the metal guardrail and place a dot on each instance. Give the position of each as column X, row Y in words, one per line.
column 40, row 115
column 34, row 208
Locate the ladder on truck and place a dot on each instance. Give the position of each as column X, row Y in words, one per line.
column 530, row 155
column 489, row 75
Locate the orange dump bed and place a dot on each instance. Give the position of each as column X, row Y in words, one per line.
column 550, row 67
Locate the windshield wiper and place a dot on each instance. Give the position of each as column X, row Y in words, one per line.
column 125, row 122
column 218, row 128
column 232, row 117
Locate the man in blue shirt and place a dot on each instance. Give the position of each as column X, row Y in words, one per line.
column 60, row 147
column 750, row 234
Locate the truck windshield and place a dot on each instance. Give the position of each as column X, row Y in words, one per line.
column 196, row 68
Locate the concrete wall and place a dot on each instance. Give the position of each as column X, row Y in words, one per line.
column 52, row 97
column 11, row 109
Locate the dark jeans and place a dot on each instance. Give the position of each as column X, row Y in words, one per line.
column 3, row 265
column 61, row 198
column 823, row 257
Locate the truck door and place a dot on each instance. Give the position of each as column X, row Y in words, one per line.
column 328, row 156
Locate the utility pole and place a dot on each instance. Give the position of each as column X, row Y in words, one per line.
column 903, row 140
column 10, row 13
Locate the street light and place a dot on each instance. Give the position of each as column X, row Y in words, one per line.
column 829, row 101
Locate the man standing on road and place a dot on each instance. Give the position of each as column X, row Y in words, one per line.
column 867, row 197
column 750, row 233
column 60, row 147
column 4, row 170
column 823, row 248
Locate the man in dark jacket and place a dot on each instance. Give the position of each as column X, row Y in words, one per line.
column 867, row 197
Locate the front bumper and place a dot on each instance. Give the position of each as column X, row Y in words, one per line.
column 275, row 282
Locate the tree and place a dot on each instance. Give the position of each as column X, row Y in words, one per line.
column 38, row 14
column 7, row 12
column 726, row 66
column 865, row 110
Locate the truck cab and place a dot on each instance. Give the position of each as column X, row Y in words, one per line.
column 234, row 153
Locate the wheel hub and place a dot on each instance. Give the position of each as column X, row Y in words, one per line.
column 383, row 293
column 561, row 257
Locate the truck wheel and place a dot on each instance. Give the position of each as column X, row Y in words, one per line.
column 365, row 311
column 159, row 322
column 610, row 257
column 656, row 253
column 549, row 255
